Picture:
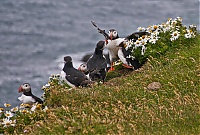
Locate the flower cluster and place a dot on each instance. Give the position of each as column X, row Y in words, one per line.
column 160, row 38
column 9, row 118
column 53, row 81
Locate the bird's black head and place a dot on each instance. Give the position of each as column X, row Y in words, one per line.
column 113, row 34
column 68, row 63
column 26, row 87
column 100, row 45
column 67, row 59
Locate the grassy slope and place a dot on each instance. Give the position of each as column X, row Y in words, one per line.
column 125, row 105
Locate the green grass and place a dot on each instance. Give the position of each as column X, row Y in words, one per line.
column 124, row 105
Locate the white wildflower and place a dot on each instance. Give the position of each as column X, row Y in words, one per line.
column 13, row 122
column 188, row 35
column 46, row 109
column 6, row 122
column 137, row 43
column 1, row 110
column 7, row 105
column 47, row 85
column 141, row 29
column 58, row 75
column 175, row 35
column 15, row 109
column 192, row 26
column 179, row 19
column 8, row 114
column 25, row 111
column 33, row 107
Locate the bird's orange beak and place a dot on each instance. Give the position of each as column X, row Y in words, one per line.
column 20, row 89
column 111, row 35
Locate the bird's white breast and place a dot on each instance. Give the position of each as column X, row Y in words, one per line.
column 121, row 56
column 113, row 47
column 63, row 74
column 114, row 43
column 26, row 99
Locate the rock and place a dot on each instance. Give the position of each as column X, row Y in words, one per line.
column 154, row 86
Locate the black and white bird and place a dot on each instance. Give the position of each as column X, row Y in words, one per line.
column 27, row 97
column 74, row 77
column 115, row 46
column 126, row 58
column 96, row 66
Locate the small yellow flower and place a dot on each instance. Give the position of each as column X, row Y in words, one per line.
column 46, row 109
column 137, row 43
column 8, row 114
column 155, row 27
column 6, row 122
column 179, row 19
column 143, row 36
column 24, row 111
column 53, row 75
column 15, row 109
column 43, row 88
column 39, row 106
column 13, row 122
column 169, row 19
column 1, row 110
column 25, row 106
column 143, row 43
column 7, row 105
column 139, row 39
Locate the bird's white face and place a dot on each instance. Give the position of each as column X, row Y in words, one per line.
column 112, row 34
column 83, row 67
column 24, row 87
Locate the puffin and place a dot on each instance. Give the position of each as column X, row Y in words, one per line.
column 27, row 97
column 96, row 65
column 73, row 76
column 126, row 58
column 115, row 46
column 116, row 50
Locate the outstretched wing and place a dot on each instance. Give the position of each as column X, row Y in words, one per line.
column 136, row 35
column 100, row 30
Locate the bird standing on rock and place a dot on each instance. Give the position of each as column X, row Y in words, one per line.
column 27, row 97
column 74, row 77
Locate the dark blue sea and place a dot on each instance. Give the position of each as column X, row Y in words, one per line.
column 36, row 34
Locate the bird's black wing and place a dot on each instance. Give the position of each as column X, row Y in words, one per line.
column 136, row 35
column 37, row 99
column 100, row 30
column 134, row 62
column 96, row 62
column 75, row 76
